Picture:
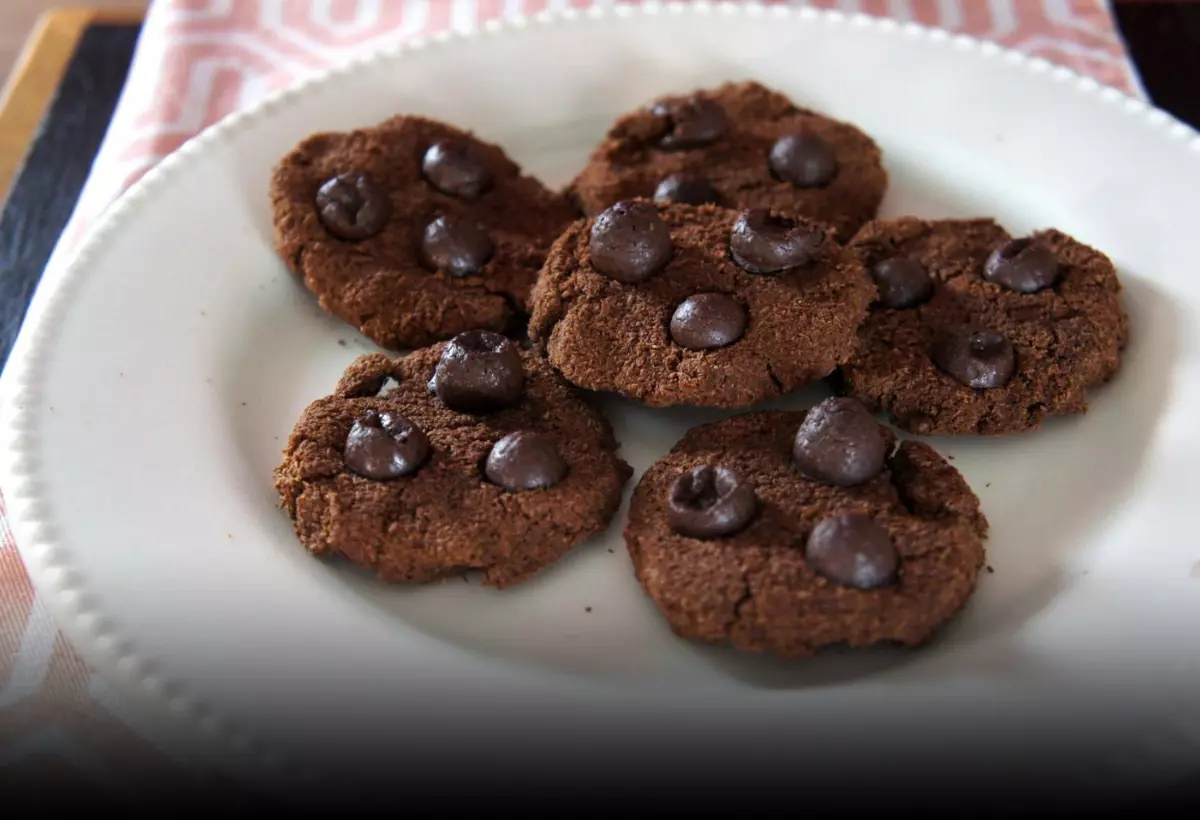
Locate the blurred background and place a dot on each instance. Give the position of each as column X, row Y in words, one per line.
column 18, row 17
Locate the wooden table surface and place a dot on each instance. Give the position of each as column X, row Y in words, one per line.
column 18, row 17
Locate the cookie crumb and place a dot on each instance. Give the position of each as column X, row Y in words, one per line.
column 243, row 404
column 342, row 342
column 587, row 609
column 610, row 549
column 989, row 568
column 988, row 484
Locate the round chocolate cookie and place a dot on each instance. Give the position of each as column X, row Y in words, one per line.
column 697, row 305
column 413, row 230
column 885, row 554
column 397, row 481
column 978, row 332
column 740, row 145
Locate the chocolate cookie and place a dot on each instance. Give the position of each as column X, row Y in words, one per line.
column 739, row 146
column 976, row 332
column 787, row 533
column 683, row 304
column 413, row 230
column 478, row 457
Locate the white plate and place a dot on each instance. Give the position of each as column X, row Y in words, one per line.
column 150, row 404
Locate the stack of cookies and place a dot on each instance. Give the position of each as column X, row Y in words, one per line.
column 719, row 249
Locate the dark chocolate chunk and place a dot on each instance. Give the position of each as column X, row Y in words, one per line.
column 692, row 122
column 707, row 321
column 385, row 445
column 525, row 461
column 479, row 372
column 764, row 243
column 711, row 502
column 454, row 167
column 630, row 242
column 686, row 190
column 902, row 282
column 852, row 550
column 805, row 160
column 839, row 443
column 456, row 246
column 352, row 206
column 1022, row 265
column 976, row 357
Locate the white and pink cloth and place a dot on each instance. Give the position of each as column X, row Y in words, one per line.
column 199, row 60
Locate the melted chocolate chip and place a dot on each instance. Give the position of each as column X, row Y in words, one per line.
column 385, row 445
column 710, row 502
column 630, row 242
column 763, row 243
column 805, row 160
column 902, row 282
column 1022, row 265
column 456, row 168
column 839, row 443
column 978, row 358
column 525, row 461
column 692, row 122
column 685, row 190
column 352, row 206
column 479, row 372
column 456, row 246
column 854, row 551
column 707, row 321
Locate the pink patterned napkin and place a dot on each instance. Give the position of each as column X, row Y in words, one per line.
column 199, row 60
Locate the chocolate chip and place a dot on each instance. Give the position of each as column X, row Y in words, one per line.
column 852, row 550
column 710, row 502
column 684, row 190
column 456, row 168
column 479, row 372
column 385, row 445
column 630, row 242
column 805, row 160
column 976, row 357
column 708, row 320
column 352, row 206
column 456, row 246
column 691, row 122
column 1022, row 265
column 839, row 443
column 903, row 282
column 525, row 461
column 764, row 243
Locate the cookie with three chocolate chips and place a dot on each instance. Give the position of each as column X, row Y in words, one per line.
column 788, row 532
column 979, row 332
column 739, row 145
column 672, row 304
column 413, row 230
column 467, row 455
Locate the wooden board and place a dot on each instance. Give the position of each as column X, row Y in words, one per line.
column 36, row 76
column 53, row 117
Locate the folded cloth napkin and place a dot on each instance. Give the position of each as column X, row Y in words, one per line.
column 199, row 60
